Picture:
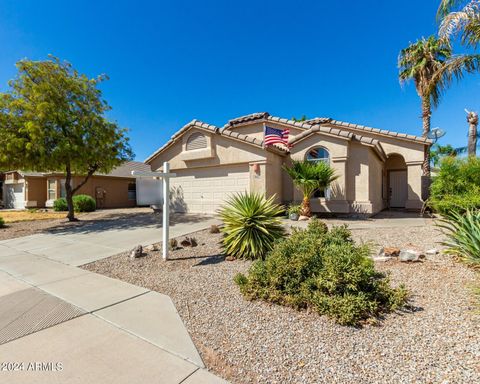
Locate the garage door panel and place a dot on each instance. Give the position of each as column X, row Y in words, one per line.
column 205, row 190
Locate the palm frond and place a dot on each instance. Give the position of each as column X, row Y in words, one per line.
column 465, row 22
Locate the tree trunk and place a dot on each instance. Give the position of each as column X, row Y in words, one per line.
column 306, row 210
column 472, row 119
column 69, row 194
column 426, row 116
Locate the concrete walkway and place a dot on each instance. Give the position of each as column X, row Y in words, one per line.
column 62, row 324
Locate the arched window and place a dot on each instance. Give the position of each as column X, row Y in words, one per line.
column 319, row 154
column 196, row 140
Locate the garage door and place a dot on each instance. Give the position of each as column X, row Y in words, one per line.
column 204, row 190
column 14, row 196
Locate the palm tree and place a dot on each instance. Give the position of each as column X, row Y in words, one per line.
column 421, row 61
column 464, row 20
column 308, row 176
column 472, row 119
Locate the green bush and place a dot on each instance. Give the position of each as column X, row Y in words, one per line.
column 251, row 225
column 84, row 203
column 2, row 222
column 81, row 203
column 456, row 188
column 60, row 205
column 463, row 235
column 325, row 271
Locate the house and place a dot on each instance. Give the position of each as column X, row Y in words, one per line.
column 376, row 169
column 117, row 189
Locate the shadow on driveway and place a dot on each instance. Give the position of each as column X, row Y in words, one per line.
column 125, row 221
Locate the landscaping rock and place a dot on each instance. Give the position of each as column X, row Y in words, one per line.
column 432, row 252
column 230, row 258
column 389, row 252
column 151, row 247
column 136, row 252
column 410, row 255
column 303, row 218
column 382, row 258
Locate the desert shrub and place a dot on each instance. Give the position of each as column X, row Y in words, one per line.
column 2, row 222
column 251, row 225
column 294, row 208
column 463, row 235
column 173, row 244
column 325, row 271
column 317, row 227
column 456, row 188
column 84, row 203
column 214, row 229
column 60, row 205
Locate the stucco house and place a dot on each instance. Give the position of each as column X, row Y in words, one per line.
column 377, row 169
column 117, row 189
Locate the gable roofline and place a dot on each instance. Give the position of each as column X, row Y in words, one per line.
column 216, row 130
column 322, row 129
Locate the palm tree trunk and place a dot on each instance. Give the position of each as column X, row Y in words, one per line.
column 306, row 210
column 472, row 119
column 426, row 116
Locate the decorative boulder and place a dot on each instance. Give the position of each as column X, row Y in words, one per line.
column 389, row 252
column 303, row 218
column 136, row 252
column 410, row 255
column 151, row 247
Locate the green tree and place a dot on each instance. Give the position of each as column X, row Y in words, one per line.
column 53, row 119
column 421, row 62
column 301, row 119
column 460, row 17
column 308, row 176
column 438, row 152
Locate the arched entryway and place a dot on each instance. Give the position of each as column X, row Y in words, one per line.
column 397, row 181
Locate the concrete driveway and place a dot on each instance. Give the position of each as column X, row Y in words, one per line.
column 112, row 234
column 63, row 324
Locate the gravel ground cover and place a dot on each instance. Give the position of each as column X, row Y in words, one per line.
column 438, row 341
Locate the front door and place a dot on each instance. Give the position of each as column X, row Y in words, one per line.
column 398, row 189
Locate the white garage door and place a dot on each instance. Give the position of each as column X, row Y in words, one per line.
column 14, row 196
column 204, row 190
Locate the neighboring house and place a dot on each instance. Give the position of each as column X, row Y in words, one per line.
column 117, row 189
column 377, row 169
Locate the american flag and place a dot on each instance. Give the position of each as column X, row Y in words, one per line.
column 276, row 136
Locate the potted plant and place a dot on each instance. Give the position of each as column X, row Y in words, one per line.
column 294, row 211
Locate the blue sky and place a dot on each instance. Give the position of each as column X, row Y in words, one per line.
column 172, row 61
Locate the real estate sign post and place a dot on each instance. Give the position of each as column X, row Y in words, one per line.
column 165, row 175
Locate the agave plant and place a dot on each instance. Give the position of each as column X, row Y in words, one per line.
column 308, row 176
column 463, row 235
column 251, row 225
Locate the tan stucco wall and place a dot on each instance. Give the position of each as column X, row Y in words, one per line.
column 116, row 190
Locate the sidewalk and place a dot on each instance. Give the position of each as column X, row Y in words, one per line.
column 63, row 324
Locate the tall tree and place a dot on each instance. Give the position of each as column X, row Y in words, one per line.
column 420, row 62
column 53, row 120
column 460, row 17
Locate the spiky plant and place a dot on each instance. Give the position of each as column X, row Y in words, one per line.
column 463, row 235
column 251, row 225
column 308, row 176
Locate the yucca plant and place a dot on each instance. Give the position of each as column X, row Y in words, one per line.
column 463, row 235
column 308, row 176
column 251, row 225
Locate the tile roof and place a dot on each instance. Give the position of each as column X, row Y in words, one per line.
column 246, row 118
column 125, row 170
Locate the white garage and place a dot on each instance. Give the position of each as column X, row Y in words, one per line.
column 204, row 190
column 14, row 196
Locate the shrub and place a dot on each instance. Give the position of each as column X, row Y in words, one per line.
column 456, row 188
column 84, row 203
column 325, row 271
column 294, row 208
column 2, row 222
column 251, row 225
column 463, row 235
column 60, row 205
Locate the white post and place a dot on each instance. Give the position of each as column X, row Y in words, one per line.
column 166, row 208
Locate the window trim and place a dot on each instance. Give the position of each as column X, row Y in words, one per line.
column 320, row 194
column 52, row 189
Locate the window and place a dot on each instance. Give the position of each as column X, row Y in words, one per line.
column 318, row 154
column 132, row 191
column 63, row 190
column 51, row 189
column 315, row 155
column 196, row 141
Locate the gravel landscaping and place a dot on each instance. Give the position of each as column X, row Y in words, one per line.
column 255, row 342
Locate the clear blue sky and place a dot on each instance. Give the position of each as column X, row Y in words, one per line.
column 172, row 61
